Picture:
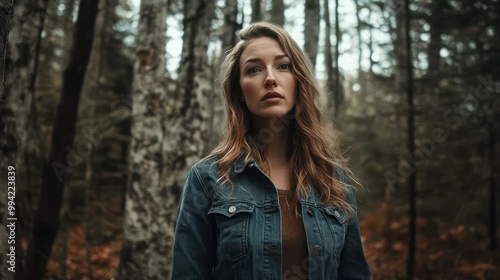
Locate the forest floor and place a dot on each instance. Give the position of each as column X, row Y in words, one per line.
column 444, row 252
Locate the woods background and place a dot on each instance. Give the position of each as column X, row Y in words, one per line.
column 106, row 104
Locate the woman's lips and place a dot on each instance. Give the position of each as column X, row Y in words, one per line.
column 272, row 96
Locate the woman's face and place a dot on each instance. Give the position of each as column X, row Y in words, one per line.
column 267, row 81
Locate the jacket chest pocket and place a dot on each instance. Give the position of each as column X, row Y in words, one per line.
column 337, row 223
column 232, row 222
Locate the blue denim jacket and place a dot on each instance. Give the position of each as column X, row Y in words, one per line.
column 225, row 233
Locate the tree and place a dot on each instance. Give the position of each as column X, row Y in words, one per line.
column 227, row 35
column 6, row 13
column 186, row 122
column 230, row 26
column 412, row 182
column 333, row 84
column 338, row 92
column 145, row 246
column 60, row 161
column 21, row 63
column 278, row 12
column 436, row 25
column 360, row 42
column 256, row 10
column 311, row 29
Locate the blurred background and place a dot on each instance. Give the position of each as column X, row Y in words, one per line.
column 107, row 103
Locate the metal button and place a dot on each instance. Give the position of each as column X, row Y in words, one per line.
column 317, row 250
column 251, row 164
column 232, row 209
column 310, row 212
column 337, row 214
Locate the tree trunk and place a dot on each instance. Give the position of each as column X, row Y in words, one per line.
column 399, row 75
column 256, row 11
column 338, row 85
column 145, row 244
column 7, row 140
column 360, row 43
column 230, row 26
column 436, row 30
column 311, row 29
column 60, row 161
column 330, row 82
column 370, row 43
column 492, row 226
column 24, row 38
column 278, row 12
column 412, row 182
column 228, row 38
column 187, row 122
column 91, row 92
column 6, row 13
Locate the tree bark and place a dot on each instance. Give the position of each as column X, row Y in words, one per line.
column 230, row 26
column 60, row 161
column 27, row 23
column 6, row 140
column 256, row 11
column 6, row 13
column 278, row 12
column 146, row 246
column 228, row 38
column 187, row 121
column 311, row 29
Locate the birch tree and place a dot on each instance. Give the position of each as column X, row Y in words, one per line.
column 187, row 119
column 145, row 244
column 23, row 44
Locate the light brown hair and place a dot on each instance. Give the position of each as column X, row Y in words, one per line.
column 314, row 151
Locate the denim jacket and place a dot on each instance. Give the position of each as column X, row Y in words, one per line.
column 235, row 233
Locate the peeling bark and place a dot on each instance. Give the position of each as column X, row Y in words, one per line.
column 145, row 244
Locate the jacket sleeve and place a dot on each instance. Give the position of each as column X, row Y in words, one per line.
column 353, row 264
column 194, row 244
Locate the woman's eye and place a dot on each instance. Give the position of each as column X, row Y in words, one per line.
column 285, row 66
column 252, row 70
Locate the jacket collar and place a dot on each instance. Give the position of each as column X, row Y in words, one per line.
column 241, row 164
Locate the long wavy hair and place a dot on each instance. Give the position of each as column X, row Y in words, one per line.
column 314, row 151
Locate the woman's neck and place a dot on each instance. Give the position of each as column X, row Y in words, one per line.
column 275, row 135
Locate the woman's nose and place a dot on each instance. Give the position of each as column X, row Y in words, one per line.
column 270, row 79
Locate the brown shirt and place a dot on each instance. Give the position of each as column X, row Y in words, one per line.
column 294, row 242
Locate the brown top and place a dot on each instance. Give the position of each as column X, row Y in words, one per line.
column 294, row 242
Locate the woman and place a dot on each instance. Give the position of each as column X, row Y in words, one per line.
column 272, row 200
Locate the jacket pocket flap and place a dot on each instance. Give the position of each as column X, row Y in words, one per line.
column 339, row 215
column 230, row 209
